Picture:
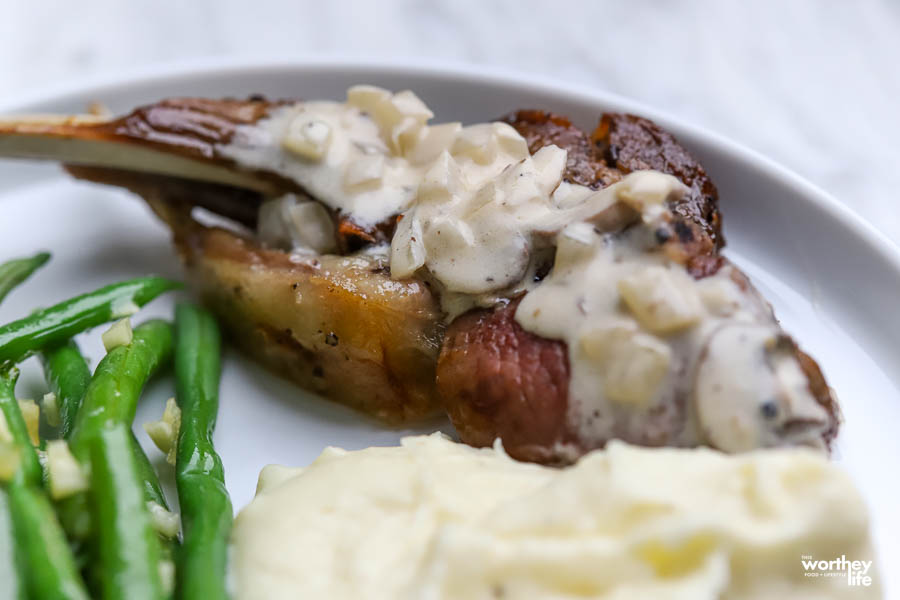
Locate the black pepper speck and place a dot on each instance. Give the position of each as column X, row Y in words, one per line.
column 769, row 409
column 662, row 235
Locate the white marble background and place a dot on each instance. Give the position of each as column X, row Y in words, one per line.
column 811, row 83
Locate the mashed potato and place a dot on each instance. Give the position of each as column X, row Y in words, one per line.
column 433, row 519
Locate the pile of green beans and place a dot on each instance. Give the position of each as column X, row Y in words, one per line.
column 102, row 542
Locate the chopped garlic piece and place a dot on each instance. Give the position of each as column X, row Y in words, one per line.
column 50, row 405
column 292, row 222
column 271, row 227
column 32, row 415
column 663, row 300
column 574, row 246
column 119, row 334
column 400, row 117
column 441, row 181
column 124, row 308
column 432, row 141
column 311, row 227
column 167, row 576
column 405, row 134
column 365, row 171
column 642, row 193
column 721, row 296
column 633, row 364
column 164, row 521
column 9, row 459
column 367, row 97
column 476, row 142
column 164, row 432
column 308, row 137
column 408, row 253
column 549, row 165
column 511, row 141
column 65, row 474
column 407, row 104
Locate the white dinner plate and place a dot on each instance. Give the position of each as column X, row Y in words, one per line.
column 833, row 280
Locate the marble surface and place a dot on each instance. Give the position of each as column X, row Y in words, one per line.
column 811, row 84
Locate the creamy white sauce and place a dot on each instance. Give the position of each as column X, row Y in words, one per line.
column 437, row 520
column 654, row 354
column 367, row 158
column 353, row 140
column 644, row 337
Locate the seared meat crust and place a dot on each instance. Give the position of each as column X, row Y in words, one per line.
column 335, row 325
column 495, row 378
column 498, row 380
column 584, row 164
column 631, row 143
column 623, row 143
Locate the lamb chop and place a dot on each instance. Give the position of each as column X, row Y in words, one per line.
column 395, row 331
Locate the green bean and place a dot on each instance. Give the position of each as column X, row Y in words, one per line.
column 29, row 470
column 12, row 583
column 56, row 324
column 14, row 272
column 111, row 398
column 113, row 392
column 68, row 375
column 50, row 570
column 206, row 512
column 153, row 492
column 75, row 514
column 128, row 549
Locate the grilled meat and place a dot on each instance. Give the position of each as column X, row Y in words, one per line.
column 339, row 324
